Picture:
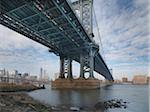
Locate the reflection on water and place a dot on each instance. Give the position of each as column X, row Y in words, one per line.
column 137, row 96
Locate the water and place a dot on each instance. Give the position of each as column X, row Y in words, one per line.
column 136, row 95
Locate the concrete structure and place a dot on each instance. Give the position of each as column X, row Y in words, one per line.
column 140, row 79
column 76, row 84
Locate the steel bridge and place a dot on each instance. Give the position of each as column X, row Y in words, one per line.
column 55, row 24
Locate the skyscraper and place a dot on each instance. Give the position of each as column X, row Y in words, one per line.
column 41, row 74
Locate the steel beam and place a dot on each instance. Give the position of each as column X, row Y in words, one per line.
column 37, row 14
column 23, row 30
column 65, row 67
column 61, row 74
column 18, row 8
column 53, row 19
column 82, row 71
column 69, row 68
column 67, row 18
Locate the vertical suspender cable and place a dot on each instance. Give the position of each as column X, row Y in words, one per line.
column 99, row 35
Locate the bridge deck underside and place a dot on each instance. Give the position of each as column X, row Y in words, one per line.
column 52, row 23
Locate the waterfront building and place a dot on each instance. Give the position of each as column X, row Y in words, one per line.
column 148, row 79
column 124, row 79
column 116, row 81
column 140, row 79
column 4, row 77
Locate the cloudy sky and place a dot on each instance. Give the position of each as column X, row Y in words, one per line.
column 123, row 25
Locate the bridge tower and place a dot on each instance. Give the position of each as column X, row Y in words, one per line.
column 84, row 9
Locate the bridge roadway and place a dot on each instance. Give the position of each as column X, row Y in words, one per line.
column 54, row 24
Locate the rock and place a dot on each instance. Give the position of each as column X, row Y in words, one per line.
column 100, row 106
column 114, row 103
column 117, row 105
column 74, row 108
column 81, row 108
column 55, row 108
column 125, row 107
column 2, row 105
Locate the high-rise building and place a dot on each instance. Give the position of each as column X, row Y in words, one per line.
column 41, row 74
column 16, row 73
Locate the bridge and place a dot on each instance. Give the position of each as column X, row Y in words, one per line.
column 55, row 24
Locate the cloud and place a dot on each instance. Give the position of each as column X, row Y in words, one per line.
column 124, row 34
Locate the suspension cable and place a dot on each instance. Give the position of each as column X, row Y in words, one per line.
column 99, row 35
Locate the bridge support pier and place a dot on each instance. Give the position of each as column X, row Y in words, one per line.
column 86, row 66
column 69, row 69
column 87, row 63
column 61, row 74
column 92, row 54
column 82, row 71
column 65, row 67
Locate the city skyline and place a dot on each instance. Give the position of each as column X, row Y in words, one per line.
column 43, row 75
column 124, row 34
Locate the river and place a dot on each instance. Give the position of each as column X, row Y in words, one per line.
column 137, row 97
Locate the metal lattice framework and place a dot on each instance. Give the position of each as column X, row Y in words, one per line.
column 54, row 24
column 84, row 7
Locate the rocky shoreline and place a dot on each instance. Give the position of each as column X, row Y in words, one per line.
column 21, row 102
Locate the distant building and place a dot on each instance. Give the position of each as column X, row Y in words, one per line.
column 41, row 74
column 18, row 77
column 140, row 79
column 148, row 79
column 124, row 79
column 116, row 81
column 4, row 76
column 56, row 75
column 12, row 78
column 32, row 77
column 25, row 75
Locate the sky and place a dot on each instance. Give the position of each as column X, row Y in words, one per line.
column 124, row 31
